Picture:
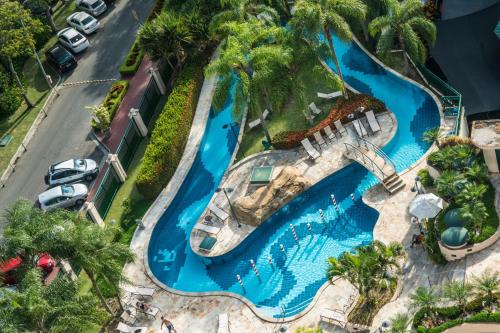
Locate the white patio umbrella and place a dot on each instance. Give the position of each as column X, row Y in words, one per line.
column 426, row 206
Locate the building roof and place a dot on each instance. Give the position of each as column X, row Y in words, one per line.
column 485, row 134
column 467, row 51
column 455, row 237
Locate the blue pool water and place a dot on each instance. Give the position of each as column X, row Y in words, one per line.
column 298, row 270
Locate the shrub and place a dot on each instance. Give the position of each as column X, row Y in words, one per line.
column 340, row 110
column 454, row 140
column 425, row 178
column 431, row 244
column 110, row 104
column 102, row 119
column 10, row 100
column 132, row 60
column 169, row 136
column 431, row 135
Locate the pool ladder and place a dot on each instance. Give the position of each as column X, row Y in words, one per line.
column 376, row 161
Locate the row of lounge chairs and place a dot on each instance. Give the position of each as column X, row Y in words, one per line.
column 358, row 126
column 129, row 316
column 258, row 121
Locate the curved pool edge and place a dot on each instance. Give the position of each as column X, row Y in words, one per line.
column 150, row 226
column 227, row 175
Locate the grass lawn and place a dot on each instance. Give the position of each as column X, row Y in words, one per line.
column 290, row 118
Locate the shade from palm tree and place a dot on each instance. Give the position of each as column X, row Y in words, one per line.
column 404, row 25
column 252, row 56
column 313, row 17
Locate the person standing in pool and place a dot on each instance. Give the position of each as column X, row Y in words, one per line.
column 168, row 324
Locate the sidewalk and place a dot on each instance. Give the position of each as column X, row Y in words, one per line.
column 137, row 86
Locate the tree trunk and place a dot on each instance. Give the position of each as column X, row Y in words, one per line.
column 364, row 25
column 405, row 58
column 18, row 81
column 98, row 291
column 51, row 20
column 118, row 299
column 335, row 60
column 263, row 122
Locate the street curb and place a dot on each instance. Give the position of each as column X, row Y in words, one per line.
column 42, row 114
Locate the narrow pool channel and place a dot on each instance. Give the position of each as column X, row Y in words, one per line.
column 298, row 271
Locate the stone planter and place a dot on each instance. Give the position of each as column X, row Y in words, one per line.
column 433, row 172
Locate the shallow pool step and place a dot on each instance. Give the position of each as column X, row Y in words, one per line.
column 393, row 183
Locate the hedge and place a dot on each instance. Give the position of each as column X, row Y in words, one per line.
column 482, row 317
column 132, row 60
column 114, row 97
column 169, row 136
column 340, row 110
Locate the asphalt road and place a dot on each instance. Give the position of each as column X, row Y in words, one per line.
column 65, row 133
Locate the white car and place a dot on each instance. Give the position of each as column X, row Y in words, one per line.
column 93, row 7
column 71, row 171
column 63, row 196
column 73, row 40
column 83, row 22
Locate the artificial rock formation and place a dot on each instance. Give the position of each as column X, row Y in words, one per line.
column 257, row 207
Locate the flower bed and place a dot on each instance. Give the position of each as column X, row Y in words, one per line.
column 114, row 98
column 340, row 110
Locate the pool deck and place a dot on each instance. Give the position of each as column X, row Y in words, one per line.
column 238, row 178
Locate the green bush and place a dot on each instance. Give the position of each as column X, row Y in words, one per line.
column 132, row 60
column 431, row 244
column 169, row 136
column 113, row 99
column 425, row 178
column 10, row 100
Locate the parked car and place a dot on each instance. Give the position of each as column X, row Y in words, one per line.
column 83, row 22
column 8, row 268
column 71, row 171
column 93, row 7
column 73, row 40
column 63, row 196
column 61, row 58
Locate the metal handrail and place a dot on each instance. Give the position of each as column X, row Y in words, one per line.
column 351, row 148
column 377, row 150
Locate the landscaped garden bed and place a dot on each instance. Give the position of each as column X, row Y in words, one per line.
column 113, row 99
column 339, row 111
column 132, row 60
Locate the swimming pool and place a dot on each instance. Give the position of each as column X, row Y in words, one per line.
column 288, row 285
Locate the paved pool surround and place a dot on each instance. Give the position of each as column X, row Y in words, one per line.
column 144, row 235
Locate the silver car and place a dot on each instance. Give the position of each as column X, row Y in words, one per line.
column 83, row 22
column 63, row 196
column 93, row 7
column 71, row 171
column 73, row 40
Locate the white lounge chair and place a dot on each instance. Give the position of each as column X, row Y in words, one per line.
column 309, row 117
column 314, row 109
column 330, row 95
column 223, row 323
column 131, row 303
column 340, row 128
column 372, row 121
column 129, row 316
column 311, row 151
column 207, row 228
column 329, row 133
column 257, row 122
column 319, row 139
column 218, row 211
column 360, row 129
column 333, row 316
column 130, row 329
column 139, row 291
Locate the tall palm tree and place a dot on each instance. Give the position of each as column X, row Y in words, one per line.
column 487, row 285
column 171, row 35
column 471, row 193
column 425, row 298
column 242, row 11
column 477, row 172
column 400, row 323
column 406, row 25
column 458, row 292
column 315, row 16
column 476, row 213
column 251, row 56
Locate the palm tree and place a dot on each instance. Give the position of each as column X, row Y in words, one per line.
column 399, row 323
column 458, row 292
column 475, row 212
column 406, row 25
column 311, row 17
column 431, row 135
column 486, row 286
column 477, row 172
column 91, row 248
column 449, row 184
column 241, row 11
column 374, row 8
column 425, row 298
column 171, row 35
column 252, row 55
column 471, row 193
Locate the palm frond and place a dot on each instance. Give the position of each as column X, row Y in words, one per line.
column 424, row 28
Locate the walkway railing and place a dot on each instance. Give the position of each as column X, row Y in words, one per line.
column 450, row 97
column 370, row 146
column 360, row 156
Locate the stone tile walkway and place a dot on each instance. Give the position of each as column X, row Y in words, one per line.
column 237, row 178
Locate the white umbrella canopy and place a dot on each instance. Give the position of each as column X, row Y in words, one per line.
column 426, row 205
